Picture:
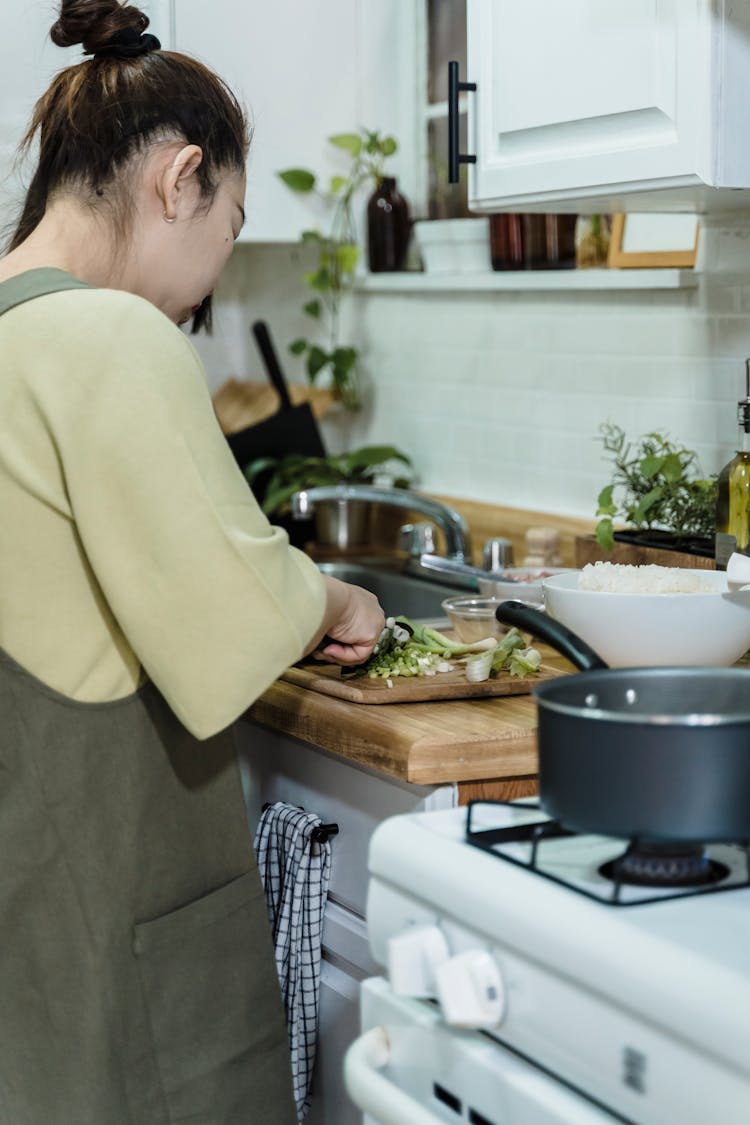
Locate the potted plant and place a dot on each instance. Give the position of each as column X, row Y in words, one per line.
column 658, row 489
column 337, row 257
column 343, row 523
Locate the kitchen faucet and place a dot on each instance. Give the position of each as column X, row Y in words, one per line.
column 449, row 521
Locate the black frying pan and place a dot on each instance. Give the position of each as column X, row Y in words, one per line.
column 656, row 753
column 292, row 429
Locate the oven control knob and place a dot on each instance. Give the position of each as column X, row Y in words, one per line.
column 470, row 990
column 413, row 958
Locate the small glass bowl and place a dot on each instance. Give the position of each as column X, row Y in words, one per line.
column 473, row 618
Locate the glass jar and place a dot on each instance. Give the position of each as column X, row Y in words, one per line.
column 592, row 237
column 549, row 241
column 506, row 242
column 560, row 241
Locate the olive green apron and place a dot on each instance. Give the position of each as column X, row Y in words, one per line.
column 137, row 980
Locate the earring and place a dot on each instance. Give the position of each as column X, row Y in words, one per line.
column 167, row 219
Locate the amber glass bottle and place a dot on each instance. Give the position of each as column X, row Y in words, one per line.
column 733, row 501
column 388, row 227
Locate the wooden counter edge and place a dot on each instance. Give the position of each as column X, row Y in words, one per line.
column 331, row 725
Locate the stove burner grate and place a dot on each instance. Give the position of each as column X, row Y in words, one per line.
column 667, row 870
column 664, row 865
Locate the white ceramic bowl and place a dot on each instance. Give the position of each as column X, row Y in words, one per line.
column 523, row 583
column 640, row 630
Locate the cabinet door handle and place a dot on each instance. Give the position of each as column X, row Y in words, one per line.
column 455, row 157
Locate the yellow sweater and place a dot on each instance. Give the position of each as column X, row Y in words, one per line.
column 130, row 541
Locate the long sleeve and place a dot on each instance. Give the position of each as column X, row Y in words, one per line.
column 211, row 598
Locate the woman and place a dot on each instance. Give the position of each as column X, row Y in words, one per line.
column 144, row 603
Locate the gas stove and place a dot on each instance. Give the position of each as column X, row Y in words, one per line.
column 512, row 936
column 620, row 872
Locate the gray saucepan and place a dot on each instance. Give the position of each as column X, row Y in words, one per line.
column 657, row 753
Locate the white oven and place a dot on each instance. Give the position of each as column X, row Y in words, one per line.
column 525, row 985
column 408, row 1068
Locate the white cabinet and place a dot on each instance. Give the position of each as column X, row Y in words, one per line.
column 607, row 105
column 28, row 61
column 276, row 767
column 306, row 71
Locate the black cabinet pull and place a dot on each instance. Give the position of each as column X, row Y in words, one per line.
column 456, row 158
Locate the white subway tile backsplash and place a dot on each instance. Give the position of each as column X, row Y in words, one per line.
column 499, row 395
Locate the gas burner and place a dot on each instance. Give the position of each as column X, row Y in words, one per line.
column 604, row 868
column 664, row 865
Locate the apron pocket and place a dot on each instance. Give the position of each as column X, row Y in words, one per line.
column 212, row 995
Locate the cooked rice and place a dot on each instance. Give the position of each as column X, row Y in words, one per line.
column 620, row 578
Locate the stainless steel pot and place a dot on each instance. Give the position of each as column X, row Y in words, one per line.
column 654, row 753
column 342, row 523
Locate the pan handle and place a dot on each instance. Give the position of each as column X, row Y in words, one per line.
column 564, row 640
column 271, row 360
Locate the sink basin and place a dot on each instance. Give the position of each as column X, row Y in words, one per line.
column 397, row 592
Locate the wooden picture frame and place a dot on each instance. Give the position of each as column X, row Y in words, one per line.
column 648, row 241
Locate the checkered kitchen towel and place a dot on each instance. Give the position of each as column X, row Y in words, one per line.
column 295, row 870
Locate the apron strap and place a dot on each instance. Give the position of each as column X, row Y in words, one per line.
column 36, row 283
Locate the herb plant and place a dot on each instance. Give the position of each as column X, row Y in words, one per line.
column 337, row 256
column 655, row 484
column 294, row 472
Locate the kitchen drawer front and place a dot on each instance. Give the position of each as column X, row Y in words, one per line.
column 276, row 767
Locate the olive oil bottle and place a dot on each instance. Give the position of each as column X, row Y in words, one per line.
column 733, row 501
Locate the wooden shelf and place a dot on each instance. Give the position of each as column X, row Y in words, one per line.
column 528, row 280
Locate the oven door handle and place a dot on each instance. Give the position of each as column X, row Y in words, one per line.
column 371, row 1091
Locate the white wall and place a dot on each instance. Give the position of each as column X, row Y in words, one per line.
column 498, row 396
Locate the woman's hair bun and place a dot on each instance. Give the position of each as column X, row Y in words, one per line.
column 94, row 23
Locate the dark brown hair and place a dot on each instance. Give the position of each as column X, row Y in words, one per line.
column 99, row 115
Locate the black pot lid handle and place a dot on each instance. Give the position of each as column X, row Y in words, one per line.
column 564, row 640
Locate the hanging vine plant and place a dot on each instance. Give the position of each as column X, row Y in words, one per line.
column 337, row 257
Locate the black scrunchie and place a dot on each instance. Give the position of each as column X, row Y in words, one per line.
column 128, row 44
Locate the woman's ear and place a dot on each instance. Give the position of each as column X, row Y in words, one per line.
column 176, row 180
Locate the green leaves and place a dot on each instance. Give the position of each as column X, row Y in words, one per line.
column 350, row 142
column 370, row 455
column 347, row 256
column 671, row 466
column 654, row 486
column 342, row 366
column 646, row 504
column 298, row 179
column 605, row 534
column 316, row 361
column 320, row 278
column 605, row 504
column 338, row 254
column 340, row 362
column 294, row 472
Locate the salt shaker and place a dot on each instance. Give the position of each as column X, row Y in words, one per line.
column 542, row 547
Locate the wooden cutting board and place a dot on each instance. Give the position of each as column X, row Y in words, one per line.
column 239, row 403
column 327, row 679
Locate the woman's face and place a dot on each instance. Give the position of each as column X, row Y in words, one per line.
column 181, row 261
column 209, row 238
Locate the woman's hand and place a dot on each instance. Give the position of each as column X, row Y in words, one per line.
column 351, row 625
